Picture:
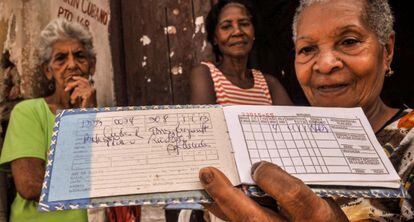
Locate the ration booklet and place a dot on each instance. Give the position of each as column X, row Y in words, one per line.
column 152, row 155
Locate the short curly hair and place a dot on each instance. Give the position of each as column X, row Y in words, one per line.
column 377, row 15
column 212, row 21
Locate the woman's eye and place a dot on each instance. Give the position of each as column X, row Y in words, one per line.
column 81, row 56
column 350, row 42
column 60, row 58
column 306, row 53
column 245, row 24
column 350, row 46
column 307, row 50
column 225, row 27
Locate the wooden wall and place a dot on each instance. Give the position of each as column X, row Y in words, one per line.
column 162, row 40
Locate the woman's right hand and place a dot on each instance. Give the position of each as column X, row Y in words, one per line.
column 83, row 91
column 296, row 200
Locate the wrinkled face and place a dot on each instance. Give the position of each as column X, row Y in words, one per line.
column 234, row 33
column 339, row 61
column 69, row 58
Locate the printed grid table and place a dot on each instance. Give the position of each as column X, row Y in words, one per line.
column 307, row 144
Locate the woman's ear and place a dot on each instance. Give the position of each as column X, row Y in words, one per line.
column 215, row 39
column 46, row 70
column 389, row 49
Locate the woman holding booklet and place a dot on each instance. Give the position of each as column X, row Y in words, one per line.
column 67, row 59
column 344, row 50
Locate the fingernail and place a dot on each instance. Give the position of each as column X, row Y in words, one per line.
column 206, row 177
column 255, row 166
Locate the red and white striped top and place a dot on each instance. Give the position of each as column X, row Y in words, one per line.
column 229, row 94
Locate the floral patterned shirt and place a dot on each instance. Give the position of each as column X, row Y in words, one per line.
column 397, row 139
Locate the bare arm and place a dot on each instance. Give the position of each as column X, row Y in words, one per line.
column 277, row 91
column 202, row 86
column 28, row 173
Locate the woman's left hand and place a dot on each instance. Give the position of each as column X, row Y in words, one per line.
column 83, row 95
column 296, row 200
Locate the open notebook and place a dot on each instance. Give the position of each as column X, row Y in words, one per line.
column 151, row 155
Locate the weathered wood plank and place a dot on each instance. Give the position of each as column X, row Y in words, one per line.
column 202, row 49
column 180, row 30
column 118, row 57
column 146, row 52
column 163, row 40
column 187, row 43
column 135, row 83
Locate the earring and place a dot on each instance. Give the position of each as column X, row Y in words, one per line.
column 389, row 72
column 51, row 85
column 91, row 81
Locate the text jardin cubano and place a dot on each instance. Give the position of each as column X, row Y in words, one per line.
column 86, row 7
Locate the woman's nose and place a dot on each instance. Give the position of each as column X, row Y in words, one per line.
column 71, row 63
column 327, row 62
column 237, row 30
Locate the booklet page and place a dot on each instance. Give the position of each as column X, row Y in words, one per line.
column 332, row 146
column 134, row 152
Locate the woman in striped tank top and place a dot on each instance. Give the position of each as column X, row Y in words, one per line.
column 228, row 81
column 230, row 29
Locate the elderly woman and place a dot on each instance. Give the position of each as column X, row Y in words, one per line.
column 67, row 59
column 228, row 81
column 344, row 50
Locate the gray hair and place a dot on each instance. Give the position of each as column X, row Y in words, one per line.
column 61, row 29
column 377, row 15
